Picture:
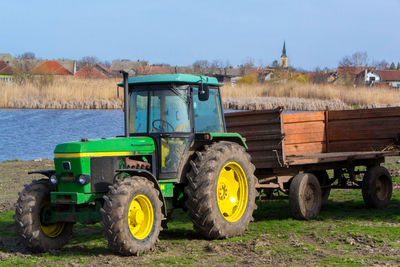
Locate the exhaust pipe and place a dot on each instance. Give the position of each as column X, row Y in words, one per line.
column 126, row 103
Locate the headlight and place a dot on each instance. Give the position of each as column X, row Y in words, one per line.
column 53, row 179
column 83, row 179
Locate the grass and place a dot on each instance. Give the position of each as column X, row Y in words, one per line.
column 344, row 234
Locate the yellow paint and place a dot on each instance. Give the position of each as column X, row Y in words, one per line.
column 232, row 192
column 140, row 217
column 162, row 187
column 93, row 154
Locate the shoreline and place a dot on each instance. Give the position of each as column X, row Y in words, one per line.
column 229, row 103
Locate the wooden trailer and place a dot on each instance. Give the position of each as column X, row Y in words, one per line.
column 293, row 151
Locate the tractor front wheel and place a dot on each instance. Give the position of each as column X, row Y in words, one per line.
column 132, row 216
column 38, row 235
column 221, row 191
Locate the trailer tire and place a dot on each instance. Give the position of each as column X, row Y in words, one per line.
column 377, row 187
column 323, row 179
column 221, row 172
column 132, row 216
column 305, row 196
column 37, row 236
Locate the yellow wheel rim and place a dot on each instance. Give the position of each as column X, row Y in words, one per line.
column 140, row 217
column 51, row 230
column 232, row 192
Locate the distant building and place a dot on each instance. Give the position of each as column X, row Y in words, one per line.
column 129, row 66
column 6, row 71
column 284, row 59
column 90, row 72
column 50, row 67
column 379, row 77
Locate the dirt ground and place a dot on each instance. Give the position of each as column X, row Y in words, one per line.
column 344, row 234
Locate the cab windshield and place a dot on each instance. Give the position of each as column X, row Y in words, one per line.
column 166, row 106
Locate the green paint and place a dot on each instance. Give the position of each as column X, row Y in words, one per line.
column 74, row 197
column 145, row 145
column 72, row 213
column 173, row 78
column 167, row 189
column 235, row 137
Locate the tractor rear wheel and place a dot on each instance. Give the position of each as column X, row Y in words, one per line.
column 221, row 190
column 305, row 196
column 132, row 216
column 377, row 187
column 39, row 236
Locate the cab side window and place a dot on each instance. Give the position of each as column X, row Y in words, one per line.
column 208, row 114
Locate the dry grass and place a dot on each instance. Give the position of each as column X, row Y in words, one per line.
column 50, row 88
column 59, row 88
column 361, row 96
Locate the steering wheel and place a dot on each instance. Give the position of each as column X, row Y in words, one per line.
column 163, row 127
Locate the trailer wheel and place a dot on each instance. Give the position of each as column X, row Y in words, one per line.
column 221, row 191
column 39, row 236
column 305, row 196
column 132, row 216
column 323, row 179
column 377, row 187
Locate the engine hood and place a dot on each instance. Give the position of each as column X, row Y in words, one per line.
column 105, row 147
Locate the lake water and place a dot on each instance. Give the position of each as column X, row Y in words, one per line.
column 28, row 134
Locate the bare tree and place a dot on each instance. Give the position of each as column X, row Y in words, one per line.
column 201, row 64
column 27, row 55
column 89, row 60
column 357, row 59
column 381, row 65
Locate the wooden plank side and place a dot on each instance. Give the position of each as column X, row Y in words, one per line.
column 305, row 138
column 362, row 129
column 304, row 127
column 303, row 117
column 250, row 119
column 364, row 113
column 360, row 145
column 305, row 148
column 256, row 129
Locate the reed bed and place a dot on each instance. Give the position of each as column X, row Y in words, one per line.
column 70, row 93
column 49, row 89
column 360, row 96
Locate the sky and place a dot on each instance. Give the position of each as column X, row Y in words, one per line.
column 178, row 32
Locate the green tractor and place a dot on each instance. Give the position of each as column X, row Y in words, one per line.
column 175, row 154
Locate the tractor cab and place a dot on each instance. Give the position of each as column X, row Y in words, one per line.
column 172, row 109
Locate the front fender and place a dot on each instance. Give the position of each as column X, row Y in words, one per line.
column 47, row 173
column 149, row 176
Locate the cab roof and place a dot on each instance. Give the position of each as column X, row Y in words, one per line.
column 172, row 78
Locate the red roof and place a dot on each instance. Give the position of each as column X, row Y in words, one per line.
column 50, row 67
column 5, row 69
column 389, row 75
column 353, row 70
column 89, row 71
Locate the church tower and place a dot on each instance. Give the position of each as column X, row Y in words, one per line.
column 284, row 57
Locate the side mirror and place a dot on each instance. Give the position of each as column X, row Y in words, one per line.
column 204, row 92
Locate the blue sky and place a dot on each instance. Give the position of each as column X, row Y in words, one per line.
column 178, row 32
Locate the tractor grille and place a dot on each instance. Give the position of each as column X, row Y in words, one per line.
column 102, row 171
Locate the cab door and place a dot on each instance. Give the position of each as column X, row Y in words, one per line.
column 170, row 124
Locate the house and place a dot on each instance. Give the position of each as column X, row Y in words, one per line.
column 379, row 77
column 129, row 66
column 6, row 71
column 50, row 67
column 89, row 71
column 6, row 57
